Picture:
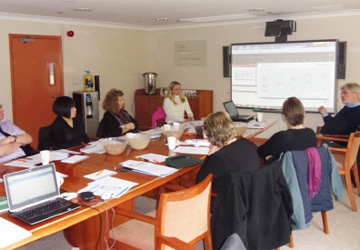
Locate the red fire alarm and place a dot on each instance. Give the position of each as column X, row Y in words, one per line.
column 70, row 33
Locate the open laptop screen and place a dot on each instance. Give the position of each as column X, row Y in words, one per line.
column 30, row 186
column 231, row 108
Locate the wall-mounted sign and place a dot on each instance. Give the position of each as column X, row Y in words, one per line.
column 191, row 52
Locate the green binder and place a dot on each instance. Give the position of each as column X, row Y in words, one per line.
column 182, row 161
column 3, row 204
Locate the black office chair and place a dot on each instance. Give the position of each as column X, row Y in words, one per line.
column 45, row 139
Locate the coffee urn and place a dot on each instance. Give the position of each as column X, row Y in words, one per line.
column 150, row 83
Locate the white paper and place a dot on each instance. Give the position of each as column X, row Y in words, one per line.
column 100, row 174
column 11, row 233
column 68, row 151
column 94, row 147
column 192, row 150
column 153, row 133
column 154, row 157
column 255, row 124
column 75, row 159
column 149, row 168
column 197, row 142
column 108, row 183
column 24, row 163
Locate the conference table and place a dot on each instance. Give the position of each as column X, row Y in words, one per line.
column 85, row 227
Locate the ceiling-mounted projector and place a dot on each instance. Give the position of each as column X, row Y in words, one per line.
column 280, row 29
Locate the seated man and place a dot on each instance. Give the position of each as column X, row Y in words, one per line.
column 11, row 139
column 346, row 121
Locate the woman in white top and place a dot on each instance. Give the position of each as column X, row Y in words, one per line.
column 175, row 104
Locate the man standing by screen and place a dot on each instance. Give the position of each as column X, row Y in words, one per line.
column 348, row 119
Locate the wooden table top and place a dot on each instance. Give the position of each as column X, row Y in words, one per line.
column 96, row 162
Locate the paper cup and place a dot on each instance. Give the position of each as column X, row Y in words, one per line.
column 45, row 157
column 167, row 127
column 172, row 141
column 176, row 126
column 259, row 117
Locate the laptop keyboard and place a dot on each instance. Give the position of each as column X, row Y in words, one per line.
column 46, row 208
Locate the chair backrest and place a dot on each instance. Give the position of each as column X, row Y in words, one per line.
column 158, row 114
column 296, row 168
column 352, row 149
column 185, row 214
column 256, row 205
column 45, row 138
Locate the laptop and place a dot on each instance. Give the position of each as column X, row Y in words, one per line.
column 33, row 194
column 234, row 113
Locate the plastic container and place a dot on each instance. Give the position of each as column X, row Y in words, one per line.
column 89, row 82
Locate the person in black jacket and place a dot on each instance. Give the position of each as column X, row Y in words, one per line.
column 116, row 120
column 297, row 137
column 227, row 154
column 67, row 130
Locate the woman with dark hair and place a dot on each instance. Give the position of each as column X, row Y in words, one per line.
column 116, row 120
column 297, row 137
column 227, row 154
column 175, row 104
column 67, row 130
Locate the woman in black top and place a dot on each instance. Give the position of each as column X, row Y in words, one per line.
column 116, row 120
column 67, row 130
column 297, row 137
column 227, row 154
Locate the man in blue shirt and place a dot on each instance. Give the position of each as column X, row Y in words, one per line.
column 348, row 119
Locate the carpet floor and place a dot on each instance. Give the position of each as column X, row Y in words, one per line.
column 344, row 227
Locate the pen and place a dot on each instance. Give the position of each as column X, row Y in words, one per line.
column 100, row 172
column 141, row 159
column 21, row 160
column 156, row 161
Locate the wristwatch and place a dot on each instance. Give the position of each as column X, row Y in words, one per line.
column 15, row 138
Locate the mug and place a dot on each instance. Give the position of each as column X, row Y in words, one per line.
column 172, row 142
column 259, row 117
column 60, row 180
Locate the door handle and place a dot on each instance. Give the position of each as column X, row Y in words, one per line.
column 56, row 96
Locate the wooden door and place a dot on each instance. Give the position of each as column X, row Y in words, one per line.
column 37, row 79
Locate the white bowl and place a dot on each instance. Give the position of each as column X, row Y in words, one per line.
column 138, row 141
column 172, row 132
column 114, row 146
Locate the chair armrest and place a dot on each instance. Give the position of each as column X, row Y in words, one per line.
column 338, row 150
column 135, row 215
column 175, row 243
column 344, row 138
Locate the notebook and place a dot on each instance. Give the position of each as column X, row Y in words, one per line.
column 234, row 113
column 33, row 194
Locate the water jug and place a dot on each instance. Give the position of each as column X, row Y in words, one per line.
column 88, row 82
column 150, row 83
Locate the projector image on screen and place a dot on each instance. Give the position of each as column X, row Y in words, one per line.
column 264, row 75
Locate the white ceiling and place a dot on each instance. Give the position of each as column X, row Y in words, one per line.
column 144, row 12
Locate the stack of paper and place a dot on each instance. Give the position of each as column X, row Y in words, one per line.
column 192, row 150
column 149, row 168
column 94, row 147
column 11, row 233
column 102, row 185
column 198, row 143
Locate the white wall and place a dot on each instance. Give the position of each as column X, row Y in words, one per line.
column 120, row 56
column 211, row 75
